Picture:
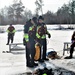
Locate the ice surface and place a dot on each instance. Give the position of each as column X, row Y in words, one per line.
column 15, row 62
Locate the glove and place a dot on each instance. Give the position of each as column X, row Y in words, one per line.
column 49, row 36
column 24, row 41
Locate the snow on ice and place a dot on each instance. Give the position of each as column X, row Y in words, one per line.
column 14, row 63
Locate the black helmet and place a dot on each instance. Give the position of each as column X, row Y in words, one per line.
column 10, row 24
column 40, row 17
column 35, row 20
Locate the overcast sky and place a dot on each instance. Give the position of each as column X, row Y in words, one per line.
column 51, row 5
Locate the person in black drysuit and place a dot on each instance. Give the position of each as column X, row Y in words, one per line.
column 29, row 33
column 26, row 27
column 72, row 46
column 11, row 31
column 41, row 38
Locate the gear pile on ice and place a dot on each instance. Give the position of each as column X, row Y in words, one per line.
column 57, row 71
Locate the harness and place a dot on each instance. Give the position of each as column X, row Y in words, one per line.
column 32, row 30
column 41, row 31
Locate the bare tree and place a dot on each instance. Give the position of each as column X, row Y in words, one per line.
column 39, row 4
column 19, row 9
column 15, row 11
column 73, row 10
column 27, row 14
column 2, row 16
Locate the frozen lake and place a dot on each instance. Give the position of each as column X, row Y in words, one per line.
column 11, row 64
column 58, row 37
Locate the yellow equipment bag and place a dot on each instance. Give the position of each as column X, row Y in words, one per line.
column 37, row 53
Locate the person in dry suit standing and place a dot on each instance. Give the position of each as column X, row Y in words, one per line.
column 41, row 38
column 72, row 47
column 11, row 31
column 30, row 35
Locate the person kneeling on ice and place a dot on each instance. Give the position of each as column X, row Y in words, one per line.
column 53, row 55
column 72, row 46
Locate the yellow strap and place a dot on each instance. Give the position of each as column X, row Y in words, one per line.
column 44, row 74
column 7, row 31
column 30, row 28
column 14, row 31
column 26, row 37
column 37, row 35
column 44, row 36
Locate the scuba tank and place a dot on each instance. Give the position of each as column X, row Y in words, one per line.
column 37, row 53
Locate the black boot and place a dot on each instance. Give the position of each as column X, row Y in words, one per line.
column 7, row 44
column 35, row 64
column 41, row 60
column 46, row 59
column 68, row 57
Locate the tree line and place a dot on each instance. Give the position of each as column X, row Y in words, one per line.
column 18, row 14
column 64, row 15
